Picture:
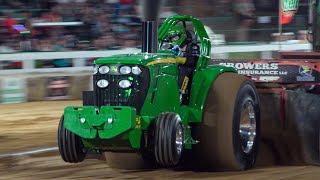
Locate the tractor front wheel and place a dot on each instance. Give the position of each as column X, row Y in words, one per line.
column 169, row 139
column 70, row 145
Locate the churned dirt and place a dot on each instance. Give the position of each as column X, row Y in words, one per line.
column 30, row 125
column 27, row 126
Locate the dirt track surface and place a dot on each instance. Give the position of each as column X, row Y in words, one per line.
column 32, row 125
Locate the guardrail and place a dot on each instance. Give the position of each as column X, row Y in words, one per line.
column 78, row 57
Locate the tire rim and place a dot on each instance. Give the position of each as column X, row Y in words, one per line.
column 247, row 128
column 179, row 139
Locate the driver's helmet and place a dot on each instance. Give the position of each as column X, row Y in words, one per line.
column 177, row 36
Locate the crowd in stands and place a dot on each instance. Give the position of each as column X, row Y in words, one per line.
column 115, row 24
column 65, row 25
column 100, row 24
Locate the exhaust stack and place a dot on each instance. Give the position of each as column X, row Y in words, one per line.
column 149, row 36
column 150, row 16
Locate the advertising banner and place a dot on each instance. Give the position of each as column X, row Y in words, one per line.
column 13, row 90
column 276, row 71
column 288, row 10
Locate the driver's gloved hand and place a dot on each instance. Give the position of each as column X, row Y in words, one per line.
column 177, row 49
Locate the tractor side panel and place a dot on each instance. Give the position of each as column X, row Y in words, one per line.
column 201, row 84
column 163, row 94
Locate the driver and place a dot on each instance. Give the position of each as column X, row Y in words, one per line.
column 178, row 38
column 181, row 41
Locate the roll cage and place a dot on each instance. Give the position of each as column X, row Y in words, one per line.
column 201, row 34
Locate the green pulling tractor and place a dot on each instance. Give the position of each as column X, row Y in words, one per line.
column 167, row 106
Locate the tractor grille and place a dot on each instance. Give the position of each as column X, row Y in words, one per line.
column 114, row 95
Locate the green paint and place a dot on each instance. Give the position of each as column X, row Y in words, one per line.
column 113, row 69
column 139, row 58
column 202, row 82
column 106, row 123
column 127, row 93
column 165, row 96
column 134, row 138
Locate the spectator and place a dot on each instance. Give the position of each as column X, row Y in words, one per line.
column 35, row 45
column 110, row 40
column 115, row 4
column 9, row 23
column 25, row 44
column 27, row 20
column 82, row 45
column 45, row 45
column 166, row 12
column 16, row 3
column 70, row 41
column 51, row 17
column 125, row 7
column 96, row 16
column 245, row 11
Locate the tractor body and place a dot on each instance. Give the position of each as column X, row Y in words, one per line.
column 151, row 103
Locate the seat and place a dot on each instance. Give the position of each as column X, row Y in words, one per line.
column 192, row 54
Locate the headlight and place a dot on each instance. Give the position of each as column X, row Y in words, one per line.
column 102, row 83
column 136, row 70
column 124, row 83
column 95, row 69
column 104, row 69
column 125, row 70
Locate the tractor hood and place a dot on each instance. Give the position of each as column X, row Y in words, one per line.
column 137, row 58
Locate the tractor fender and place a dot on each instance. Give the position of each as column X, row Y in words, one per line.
column 201, row 83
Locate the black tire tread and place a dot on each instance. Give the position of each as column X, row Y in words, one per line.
column 70, row 145
column 164, row 135
column 215, row 150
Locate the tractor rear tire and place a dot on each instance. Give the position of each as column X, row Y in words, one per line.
column 169, row 139
column 70, row 145
column 223, row 145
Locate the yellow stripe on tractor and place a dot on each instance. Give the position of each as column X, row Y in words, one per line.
column 178, row 60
